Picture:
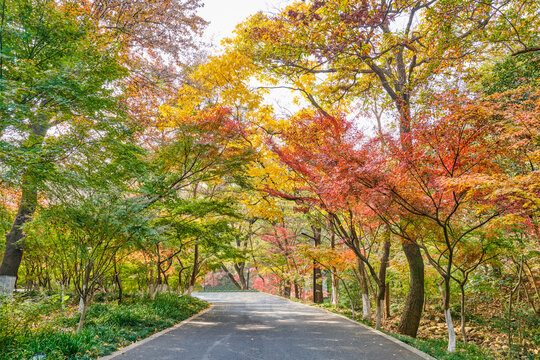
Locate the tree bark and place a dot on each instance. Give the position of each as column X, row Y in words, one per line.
column 410, row 318
column 387, row 301
column 13, row 252
column 239, row 267
column 382, row 281
column 334, row 278
column 287, row 290
column 448, row 317
column 195, row 271
column 83, row 314
column 366, row 303
column 335, row 288
column 462, row 303
column 231, row 277
column 317, row 274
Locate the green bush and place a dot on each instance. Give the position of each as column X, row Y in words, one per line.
column 27, row 327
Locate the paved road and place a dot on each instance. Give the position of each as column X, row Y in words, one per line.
column 257, row 326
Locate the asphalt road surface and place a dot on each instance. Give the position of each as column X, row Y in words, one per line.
column 257, row 326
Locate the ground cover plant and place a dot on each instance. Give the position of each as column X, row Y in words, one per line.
column 45, row 325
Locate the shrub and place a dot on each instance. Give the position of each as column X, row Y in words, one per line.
column 27, row 327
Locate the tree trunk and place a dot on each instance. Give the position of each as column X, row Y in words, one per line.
column 382, row 281
column 287, row 290
column 378, row 313
column 366, row 303
column 13, row 251
column 83, row 313
column 118, row 281
column 239, row 267
column 231, row 277
column 193, row 278
column 387, row 301
column 81, row 300
column 180, row 285
column 335, row 288
column 462, row 303
column 448, row 317
column 317, row 275
column 334, row 279
column 317, row 285
column 410, row 318
column 297, row 291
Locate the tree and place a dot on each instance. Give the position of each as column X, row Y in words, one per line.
column 334, row 51
column 55, row 81
column 65, row 65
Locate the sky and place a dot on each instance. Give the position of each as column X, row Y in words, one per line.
column 224, row 15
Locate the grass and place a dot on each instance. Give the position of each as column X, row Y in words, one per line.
column 40, row 327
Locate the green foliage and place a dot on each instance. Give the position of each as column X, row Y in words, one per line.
column 56, row 72
column 513, row 72
column 108, row 326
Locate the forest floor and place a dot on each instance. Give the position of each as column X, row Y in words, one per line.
column 42, row 327
column 486, row 339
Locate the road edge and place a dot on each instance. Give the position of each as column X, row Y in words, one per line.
column 153, row 336
column 388, row 337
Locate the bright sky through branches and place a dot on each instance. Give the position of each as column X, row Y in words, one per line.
column 224, row 15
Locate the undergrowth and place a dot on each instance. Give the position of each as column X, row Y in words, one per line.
column 44, row 328
column 435, row 347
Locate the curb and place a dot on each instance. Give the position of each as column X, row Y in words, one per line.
column 153, row 336
column 377, row 332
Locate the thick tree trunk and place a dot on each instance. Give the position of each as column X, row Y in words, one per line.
column 412, row 313
column 13, row 252
column 410, row 318
column 297, row 291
